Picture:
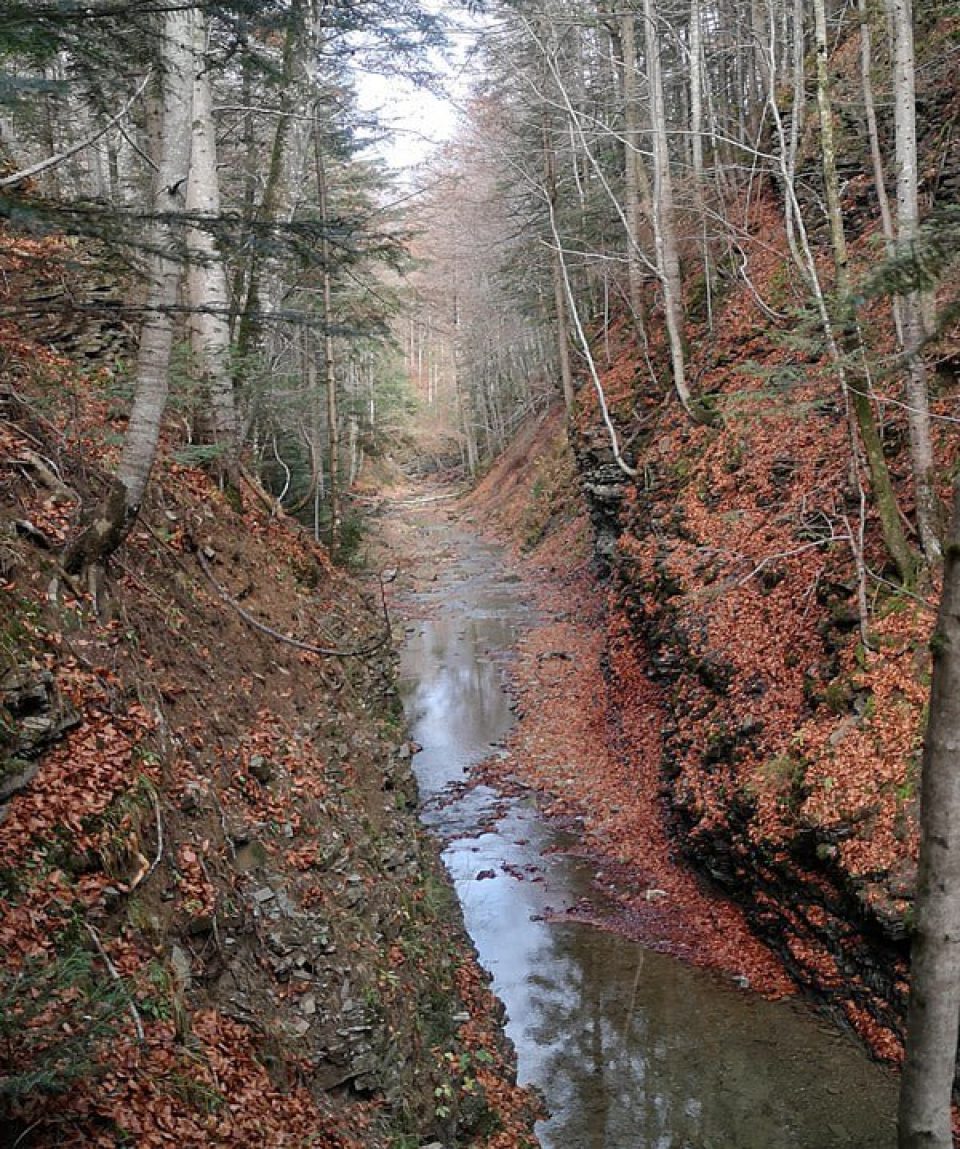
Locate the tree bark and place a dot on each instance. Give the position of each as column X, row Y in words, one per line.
column 556, row 268
column 329, row 360
column 208, row 296
column 636, row 184
column 932, row 1020
column 850, row 342
column 664, row 230
column 107, row 526
column 908, row 225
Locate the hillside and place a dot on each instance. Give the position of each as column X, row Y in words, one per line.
column 785, row 727
column 220, row 920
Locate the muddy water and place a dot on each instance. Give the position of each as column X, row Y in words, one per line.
column 630, row 1049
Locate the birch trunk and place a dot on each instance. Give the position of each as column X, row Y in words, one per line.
column 107, row 527
column 908, row 225
column 208, row 296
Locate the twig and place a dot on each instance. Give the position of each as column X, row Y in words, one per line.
column 115, row 974
column 26, row 1133
column 53, row 161
column 787, row 555
column 227, row 836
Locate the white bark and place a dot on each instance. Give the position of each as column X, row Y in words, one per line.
column 908, row 225
column 207, row 291
column 664, row 231
column 165, row 262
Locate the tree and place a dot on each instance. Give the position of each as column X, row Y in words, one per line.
column 207, row 292
column 908, row 221
column 849, row 343
column 934, row 1013
column 105, row 529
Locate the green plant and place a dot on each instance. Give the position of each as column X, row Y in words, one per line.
column 56, row 1018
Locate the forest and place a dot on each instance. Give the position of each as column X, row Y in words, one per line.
column 671, row 309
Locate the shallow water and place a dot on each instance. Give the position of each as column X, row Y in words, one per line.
column 629, row 1048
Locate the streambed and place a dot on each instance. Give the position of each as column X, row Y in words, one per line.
column 630, row 1048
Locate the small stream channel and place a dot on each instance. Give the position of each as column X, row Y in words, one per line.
column 630, row 1049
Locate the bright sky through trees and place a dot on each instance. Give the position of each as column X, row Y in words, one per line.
column 419, row 117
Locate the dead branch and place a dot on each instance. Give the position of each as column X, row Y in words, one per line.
column 250, row 620
column 114, row 973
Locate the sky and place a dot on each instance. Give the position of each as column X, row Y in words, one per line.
column 417, row 119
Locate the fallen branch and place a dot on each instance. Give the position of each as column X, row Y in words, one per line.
column 46, row 471
column 60, row 157
column 298, row 644
column 114, row 973
column 159, row 854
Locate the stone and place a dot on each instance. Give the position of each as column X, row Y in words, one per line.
column 261, row 768
column 182, row 966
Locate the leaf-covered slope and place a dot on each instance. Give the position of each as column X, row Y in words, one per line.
column 219, row 922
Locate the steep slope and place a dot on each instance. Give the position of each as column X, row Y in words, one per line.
column 220, row 923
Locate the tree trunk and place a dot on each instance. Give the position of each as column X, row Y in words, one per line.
column 556, row 268
column 329, row 360
column 209, row 322
column 932, row 1021
column 908, row 225
column 856, row 382
column 664, row 231
column 105, row 529
column 287, row 157
column 636, row 184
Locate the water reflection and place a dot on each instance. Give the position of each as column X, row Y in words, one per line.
column 456, row 696
column 630, row 1048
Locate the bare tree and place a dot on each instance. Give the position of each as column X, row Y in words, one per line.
column 207, row 293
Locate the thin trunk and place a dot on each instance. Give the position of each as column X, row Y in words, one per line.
column 287, row 158
column 329, row 361
column 908, row 226
column 636, row 184
column 696, row 149
column 106, row 528
column 850, row 341
column 664, row 231
column 559, row 292
column 209, row 323
column 932, row 1021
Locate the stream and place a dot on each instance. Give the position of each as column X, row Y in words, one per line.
column 629, row 1048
